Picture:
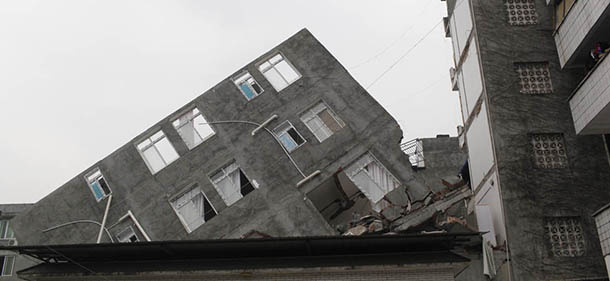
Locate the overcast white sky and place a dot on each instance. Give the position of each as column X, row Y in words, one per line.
column 80, row 78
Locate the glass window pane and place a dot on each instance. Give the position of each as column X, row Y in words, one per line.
column 275, row 79
column 263, row 67
column 295, row 136
column 319, row 129
column 153, row 159
column 329, row 120
column 287, row 72
column 202, row 127
column 97, row 190
column 275, row 58
column 3, row 227
column 256, row 87
column 288, row 142
column 167, row 150
column 143, row 144
column 157, row 136
column 8, row 266
column 189, row 136
column 245, row 89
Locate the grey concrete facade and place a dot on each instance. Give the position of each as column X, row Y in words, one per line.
column 277, row 207
column 528, row 195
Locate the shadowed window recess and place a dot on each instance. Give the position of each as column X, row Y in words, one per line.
column 288, row 135
column 193, row 208
column 248, row 86
column 279, row 72
column 321, row 121
column 231, row 183
column 98, row 185
column 193, row 128
column 157, row 152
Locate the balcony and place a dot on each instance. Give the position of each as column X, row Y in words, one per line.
column 585, row 23
column 590, row 101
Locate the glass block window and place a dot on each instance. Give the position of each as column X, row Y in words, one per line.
column 549, row 150
column 279, row 72
column 288, row 136
column 231, row 183
column 157, row 151
column 534, row 78
column 193, row 208
column 321, row 121
column 193, row 128
column 247, row 85
column 602, row 220
column 97, row 184
column 521, row 12
column 565, row 236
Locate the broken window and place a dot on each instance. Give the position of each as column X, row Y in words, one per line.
column 372, row 178
column 248, row 86
column 193, row 128
column 98, row 184
column 565, row 236
column 321, row 121
column 521, row 12
column 127, row 235
column 534, row 77
column 288, row 135
column 279, row 72
column 193, row 208
column 549, row 150
column 231, row 183
column 6, row 265
column 157, row 152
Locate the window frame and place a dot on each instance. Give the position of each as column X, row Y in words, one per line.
column 89, row 183
column 272, row 67
column 336, row 117
column 279, row 133
column 242, row 74
column 557, row 22
column 226, row 175
column 177, row 128
column 3, row 266
column 182, row 192
column 152, row 145
column 129, row 227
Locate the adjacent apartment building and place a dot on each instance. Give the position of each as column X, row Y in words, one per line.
column 288, row 145
column 10, row 262
column 533, row 86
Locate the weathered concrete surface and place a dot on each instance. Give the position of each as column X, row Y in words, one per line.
column 8, row 212
column 528, row 193
column 443, row 158
column 277, row 207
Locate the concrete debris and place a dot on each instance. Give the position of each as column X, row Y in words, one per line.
column 356, row 231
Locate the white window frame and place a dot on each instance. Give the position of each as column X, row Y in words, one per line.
column 272, row 66
column 351, row 173
column 152, row 145
column 191, row 120
column 183, row 192
column 127, row 229
column 314, row 114
column 90, row 183
column 3, row 269
column 279, row 133
column 237, row 80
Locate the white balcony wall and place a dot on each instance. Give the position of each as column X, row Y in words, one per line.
column 480, row 154
column 461, row 27
column 582, row 17
column 590, row 105
column 489, row 195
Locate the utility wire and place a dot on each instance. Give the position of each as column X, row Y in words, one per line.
column 404, row 55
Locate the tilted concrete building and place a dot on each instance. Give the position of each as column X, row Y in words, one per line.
column 533, row 111
column 289, row 145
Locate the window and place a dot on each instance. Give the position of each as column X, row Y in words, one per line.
column 321, row 121
column 127, row 235
column 534, row 77
column 248, row 86
column 231, row 183
column 288, row 135
column 97, row 184
column 193, row 208
column 5, row 230
column 562, row 7
column 279, row 72
column 6, row 265
column 521, row 12
column 193, row 128
column 157, row 152
column 565, row 236
column 549, row 150
column 372, row 178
